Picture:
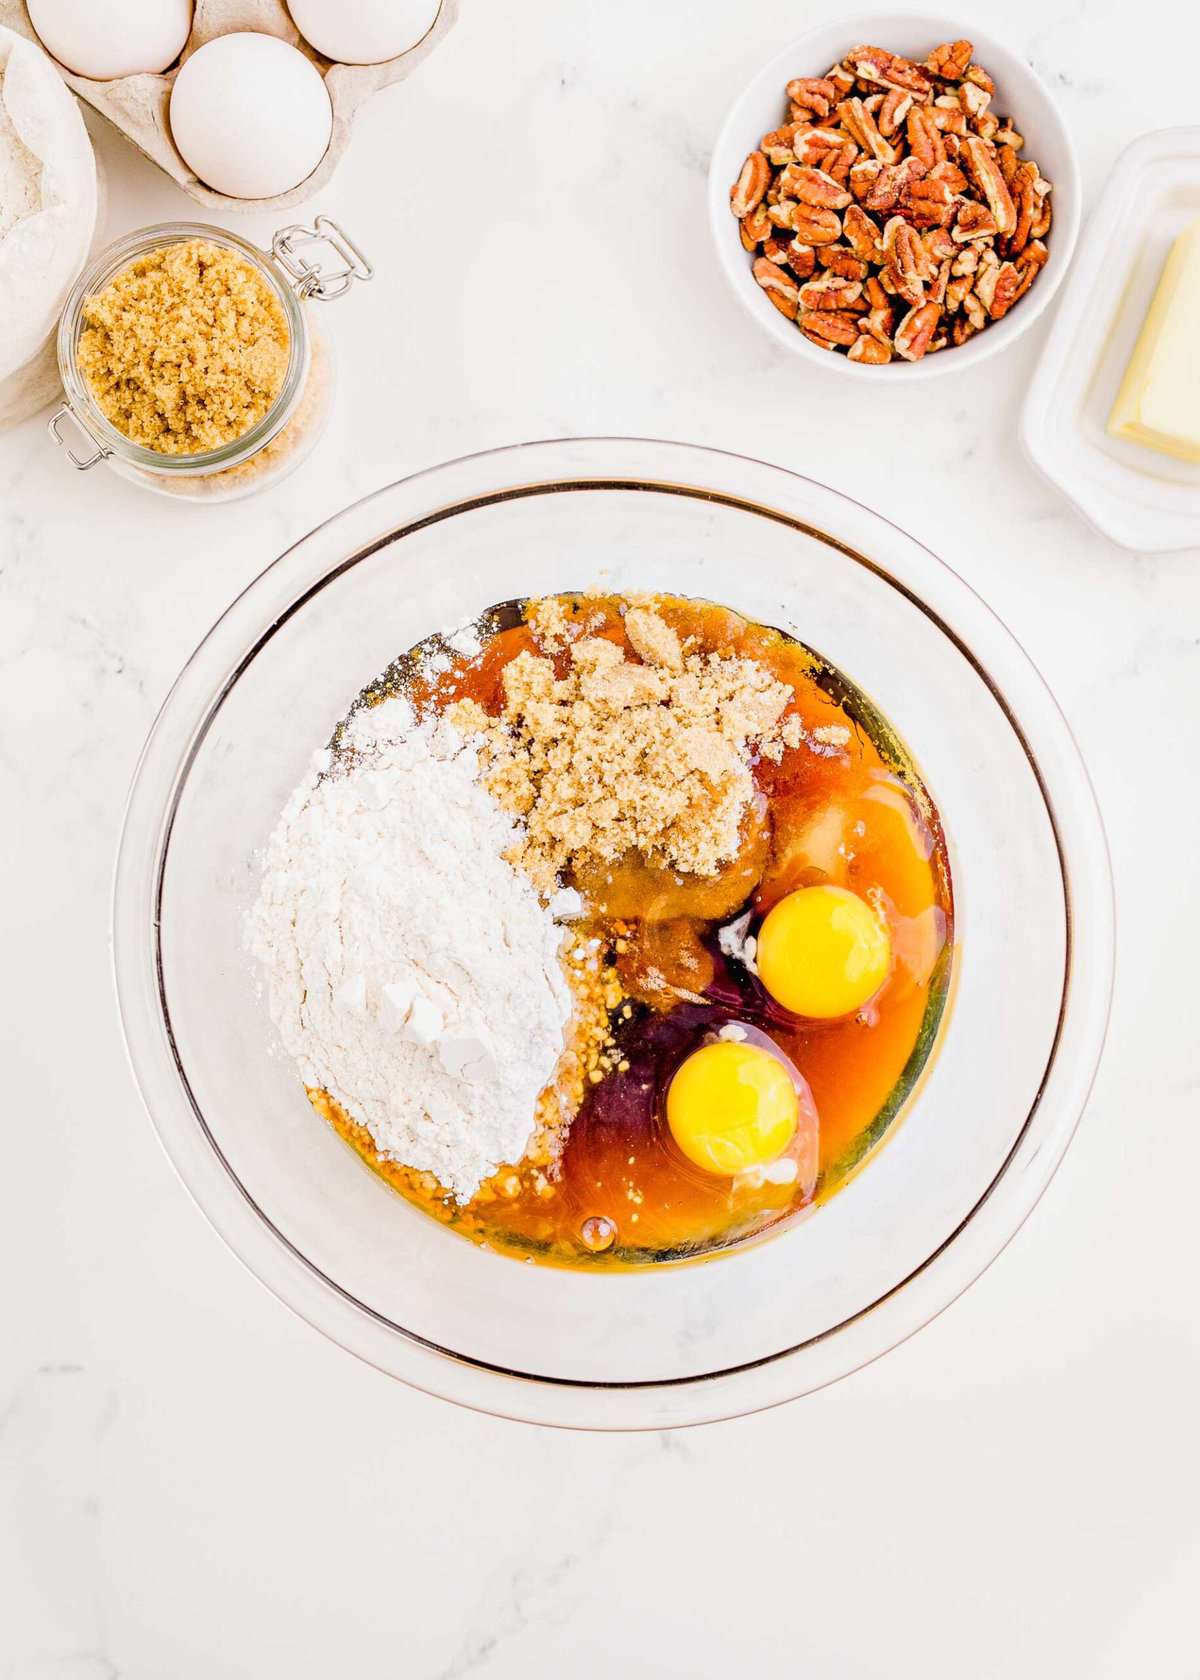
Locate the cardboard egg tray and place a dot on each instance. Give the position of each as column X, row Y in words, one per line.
column 137, row 105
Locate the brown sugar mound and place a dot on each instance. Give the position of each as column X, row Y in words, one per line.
column 619, row 755
column 186, row 349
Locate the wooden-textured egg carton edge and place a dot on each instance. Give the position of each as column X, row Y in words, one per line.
column 138, row 105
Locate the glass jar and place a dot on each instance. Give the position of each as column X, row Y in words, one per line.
column 317, row 263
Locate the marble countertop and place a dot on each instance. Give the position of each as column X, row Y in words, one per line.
column 192, row 1483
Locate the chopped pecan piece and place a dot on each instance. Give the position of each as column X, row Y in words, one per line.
column 905, row 260
column 892, row 111
column 781, row 288
column 862, row 128
column 813, row 93
column 862, row 234
column 756, row 224
column 956, row 291
column 935, row 289
column 801, row 258
column 974, row 310
column 892, row 183
column 962, row 330
column 924, row 137
column 863, row 175
column 870, row 350
column 948, row 119
column 815, row 226
column 829, row 324
column 814, row 187
column 939, row 245
column 1008, row 136
column 974, row 221
column 983, row 167
column 951, row 174
column 750, row 185
column 889, row 70
column 973, row 99
column 1041, row 220
column 840, row 260
column 1005, row 290
column 915, row 331
column 951, row 60
column 814, row 337
column 830, row 291
column 1025, row 203
column 978, row 75
column 778, row 145
column 930, row 203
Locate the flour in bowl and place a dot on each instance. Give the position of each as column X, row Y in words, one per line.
column 413, row 974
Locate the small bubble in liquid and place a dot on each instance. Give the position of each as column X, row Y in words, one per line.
column 598, row 1233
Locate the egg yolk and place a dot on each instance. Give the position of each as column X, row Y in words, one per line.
column 732, row 1106
column 822, row 952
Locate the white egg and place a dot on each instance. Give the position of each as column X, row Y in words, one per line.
column 123, row 38
column 251, row 115
column 363, row 31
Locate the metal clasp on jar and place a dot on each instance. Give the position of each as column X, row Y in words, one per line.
column 313, row 278
column 100, row 451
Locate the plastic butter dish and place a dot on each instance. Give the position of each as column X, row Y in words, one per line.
column 1138, row 496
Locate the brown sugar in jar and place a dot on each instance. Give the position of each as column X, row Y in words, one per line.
column 190, row 359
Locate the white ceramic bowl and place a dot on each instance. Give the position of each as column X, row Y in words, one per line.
column 762, row 106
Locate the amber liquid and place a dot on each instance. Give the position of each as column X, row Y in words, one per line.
column 855, row 815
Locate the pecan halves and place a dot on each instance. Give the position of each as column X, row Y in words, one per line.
column 750, row 185
column 916, row 330
column 982, row 165
column 779, row 286
column 894, row 212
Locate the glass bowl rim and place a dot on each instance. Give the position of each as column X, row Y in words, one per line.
column 191, row 706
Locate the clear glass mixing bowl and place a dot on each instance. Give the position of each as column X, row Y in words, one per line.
column 978, row 1140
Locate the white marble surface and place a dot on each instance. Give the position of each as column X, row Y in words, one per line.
column 192, row 1483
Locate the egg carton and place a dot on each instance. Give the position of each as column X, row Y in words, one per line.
column 137, row 105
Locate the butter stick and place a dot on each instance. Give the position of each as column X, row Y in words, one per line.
column 1159, row 401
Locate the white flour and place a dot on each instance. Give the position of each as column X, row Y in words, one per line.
column 412, row 973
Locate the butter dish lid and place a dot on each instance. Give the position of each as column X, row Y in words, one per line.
column 1138, row 497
